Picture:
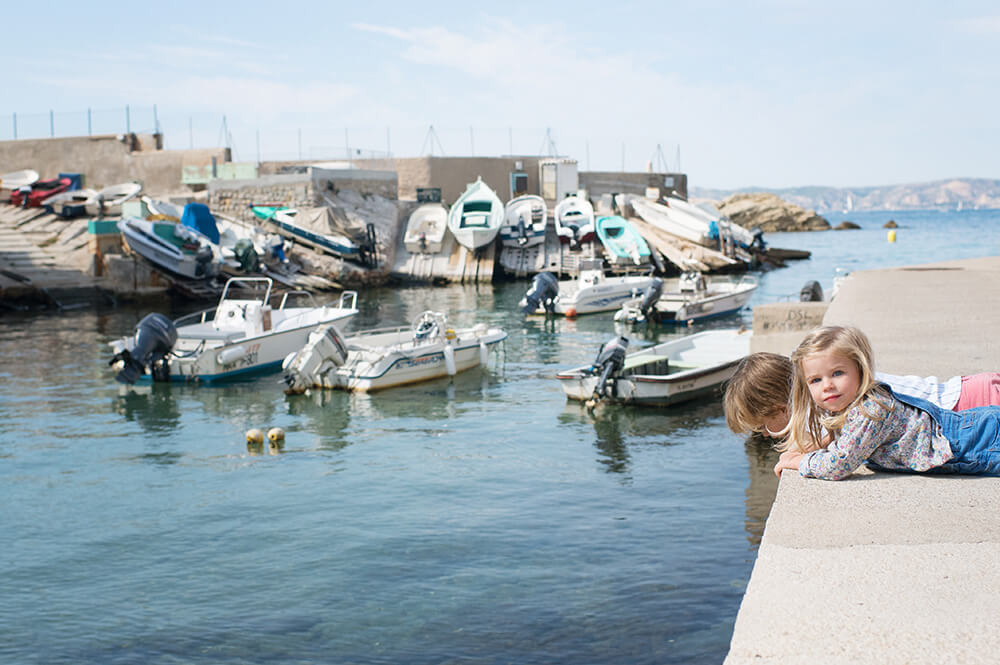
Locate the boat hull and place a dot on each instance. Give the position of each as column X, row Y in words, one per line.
column 476, row 216
column 666, row 374
column 605, row 296
column 142, row 238
column 425, row 229
column 530, row 212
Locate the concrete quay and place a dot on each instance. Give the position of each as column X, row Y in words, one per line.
column 881, row 567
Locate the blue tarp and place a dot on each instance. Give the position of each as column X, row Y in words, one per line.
column 199, row 218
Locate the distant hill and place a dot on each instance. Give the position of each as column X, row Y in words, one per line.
column 957, row 193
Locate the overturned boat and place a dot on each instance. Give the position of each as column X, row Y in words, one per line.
column 663, row 375
column 243, row 335
column 387, row 357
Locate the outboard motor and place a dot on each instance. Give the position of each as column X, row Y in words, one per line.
column 650, row 297
column 154, row 337
column 544, row 289
column 204, row 262
column 610, row 360
column 811, row 292
column 522, row 232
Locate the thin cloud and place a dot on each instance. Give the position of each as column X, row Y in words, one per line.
column 981, row 25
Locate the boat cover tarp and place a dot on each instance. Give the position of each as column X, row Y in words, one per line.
column 199, row 217
column 323, row 219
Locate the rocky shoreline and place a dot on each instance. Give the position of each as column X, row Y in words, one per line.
column 770, row 213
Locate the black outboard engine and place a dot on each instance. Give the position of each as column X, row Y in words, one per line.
column 811, row 292
column 610, row 360
column 204, row 266
column 154, row 337
column 651, row 296
column 544, row 289
column 522, row 231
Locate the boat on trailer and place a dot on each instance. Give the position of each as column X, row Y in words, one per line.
column 387, row 357
column 243, row 335
column 663, row 375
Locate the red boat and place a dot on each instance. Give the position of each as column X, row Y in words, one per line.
column 38, row 192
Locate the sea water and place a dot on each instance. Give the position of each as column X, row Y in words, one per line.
column 484, row 519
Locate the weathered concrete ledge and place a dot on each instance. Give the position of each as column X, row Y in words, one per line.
column 888, row 568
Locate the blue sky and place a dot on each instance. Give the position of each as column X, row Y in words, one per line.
column 772, row 93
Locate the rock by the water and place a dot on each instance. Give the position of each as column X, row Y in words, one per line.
column 891, row 224
column 846, row 225
column 770, row 213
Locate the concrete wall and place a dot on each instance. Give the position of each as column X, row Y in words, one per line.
column 297, row 190
column 618, row 182
column 108, row 160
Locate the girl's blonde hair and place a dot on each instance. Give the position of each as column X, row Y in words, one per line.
column 807, row 420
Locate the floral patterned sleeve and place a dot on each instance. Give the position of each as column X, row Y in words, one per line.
column 856, row 442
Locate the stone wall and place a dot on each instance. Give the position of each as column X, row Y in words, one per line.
column 620, row 182
column 108, row 160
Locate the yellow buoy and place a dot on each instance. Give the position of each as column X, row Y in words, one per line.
column 892, row 235
column 255, row 436
column 275, row 434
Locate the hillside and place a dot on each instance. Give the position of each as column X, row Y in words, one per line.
column 957, row 193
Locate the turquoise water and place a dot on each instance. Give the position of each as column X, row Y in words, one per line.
column 480, row 520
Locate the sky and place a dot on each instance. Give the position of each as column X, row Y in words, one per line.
column 771, row 93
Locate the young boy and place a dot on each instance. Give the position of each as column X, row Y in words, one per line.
column 756, row 398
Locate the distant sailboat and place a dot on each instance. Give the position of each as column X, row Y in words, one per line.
column 849, row 206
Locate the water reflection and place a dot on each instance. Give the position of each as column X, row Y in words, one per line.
column 762, row 487
column 152, row 407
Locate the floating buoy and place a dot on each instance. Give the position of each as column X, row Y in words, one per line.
column 892, row 235
column 571, row 313
column 255, row 436
column 275, row 434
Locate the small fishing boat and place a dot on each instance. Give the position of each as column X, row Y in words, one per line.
column 524, row 221
column 242, row 336
column 574, row 220
column 71, row 203
column 388, row 357
column 426, row 228
column 109, row 200
column 592, row 291
column 18, row 179
column 690, row 297
column 33, row 196
column 300, row 226
column 476, row 216
column 663, row 375
column 622, row 243
column 172, row 246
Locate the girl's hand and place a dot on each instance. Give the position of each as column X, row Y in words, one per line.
column 788, row 460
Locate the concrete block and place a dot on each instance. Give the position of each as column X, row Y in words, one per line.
column 785, row 317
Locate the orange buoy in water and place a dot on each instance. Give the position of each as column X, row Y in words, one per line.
column 571, row 313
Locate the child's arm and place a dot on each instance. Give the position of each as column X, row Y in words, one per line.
column 790, row 459
column 856, row 442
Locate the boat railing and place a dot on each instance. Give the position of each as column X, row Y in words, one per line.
column 248, row 282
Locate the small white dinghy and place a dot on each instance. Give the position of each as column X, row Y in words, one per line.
column 18, row 179
column 387, row 357
column 109, row 200
column 574, row 220
column 243, row 335
column 663, row 375
column 690, row 297
column 592, row 291
column 426, row 228
column 70, row 204
column 476, row 216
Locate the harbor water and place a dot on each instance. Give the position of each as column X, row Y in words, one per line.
column 483, row 519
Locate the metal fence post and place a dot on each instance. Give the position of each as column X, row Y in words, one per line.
column 128, row 121
column 52, row 123
column 90, row 127
column 15, row 126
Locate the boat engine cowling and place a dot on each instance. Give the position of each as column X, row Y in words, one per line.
column 154, row 338
column 651, row 296
column 324, row 351
column 544, row 290
column 811, row 292
column 610, row 360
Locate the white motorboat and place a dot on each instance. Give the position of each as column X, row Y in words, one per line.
column 574, row 220
column 726, row 228
column 109, row 200
column 388, row 357
column 592, row 291
column 18, row 179
column 690, row 297
column 243, row 335
column 476, row 216
column 175, row 247
column 524, row 221
column 72, row 203
column 426, row 228
column 311, row 227
column 662, row 375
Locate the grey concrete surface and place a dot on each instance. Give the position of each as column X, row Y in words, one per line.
column 881, row 567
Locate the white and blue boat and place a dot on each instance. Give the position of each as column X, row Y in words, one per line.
column 476, row 216
column 524, row 222
column 622, row 243
column 292, row 224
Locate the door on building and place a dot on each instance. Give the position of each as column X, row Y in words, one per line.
column 518, row 184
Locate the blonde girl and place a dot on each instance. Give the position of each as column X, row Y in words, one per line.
column 839, row 406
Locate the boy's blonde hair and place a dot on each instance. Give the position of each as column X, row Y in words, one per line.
column 759, row 388
column 807, row 420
